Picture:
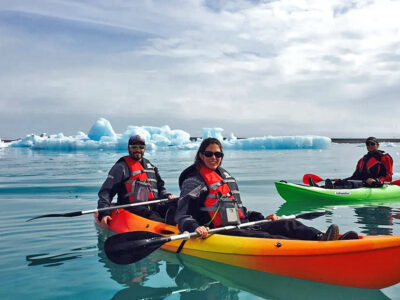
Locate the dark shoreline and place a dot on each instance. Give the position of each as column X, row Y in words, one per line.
column 339, row 140
column 358, row 140
column 9, row 141
column 334, row 140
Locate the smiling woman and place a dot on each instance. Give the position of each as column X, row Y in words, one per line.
column 218, row 203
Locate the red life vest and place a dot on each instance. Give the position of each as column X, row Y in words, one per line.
column 219, row 187
column 383, row 163
column 137, row 173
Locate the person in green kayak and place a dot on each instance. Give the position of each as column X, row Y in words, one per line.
column 372, row 169
column 217, row 203
column 135, row 179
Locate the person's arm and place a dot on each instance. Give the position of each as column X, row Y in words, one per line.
column 387, row 162
column 189, row 204
column 356, row 175
column 162, row 191
column 110, row 187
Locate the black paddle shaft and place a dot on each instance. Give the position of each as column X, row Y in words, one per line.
column 85, row 212
column 193, row 194
column 130, row 247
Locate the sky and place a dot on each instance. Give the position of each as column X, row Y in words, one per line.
column 253, row 68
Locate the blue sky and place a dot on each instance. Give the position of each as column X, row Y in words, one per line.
column 254, row 68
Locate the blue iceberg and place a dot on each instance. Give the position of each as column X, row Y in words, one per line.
column 102, row 136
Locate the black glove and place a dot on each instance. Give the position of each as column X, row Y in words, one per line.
column 254, row 216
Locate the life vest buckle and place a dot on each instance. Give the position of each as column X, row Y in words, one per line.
column 229, row 211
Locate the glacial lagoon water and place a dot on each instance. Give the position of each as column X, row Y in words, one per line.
column 63, row 258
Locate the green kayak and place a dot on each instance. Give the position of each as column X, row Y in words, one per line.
column 292, row 192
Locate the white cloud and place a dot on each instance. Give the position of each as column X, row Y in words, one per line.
column 254, row 68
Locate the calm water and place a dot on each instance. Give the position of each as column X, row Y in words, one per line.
column 63, row 258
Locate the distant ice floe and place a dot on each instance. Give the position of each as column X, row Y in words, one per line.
column 2, row 144
column 102, row 136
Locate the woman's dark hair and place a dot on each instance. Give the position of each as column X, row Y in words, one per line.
column 203, row 146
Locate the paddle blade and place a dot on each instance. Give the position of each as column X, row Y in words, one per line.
column 314, row 177
column 311, row 215
column 396, row 182
column 71, row 214
column 130, row 247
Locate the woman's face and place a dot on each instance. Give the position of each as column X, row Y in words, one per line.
column 211, row 162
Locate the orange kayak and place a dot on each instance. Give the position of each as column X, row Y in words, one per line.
column 370, row 262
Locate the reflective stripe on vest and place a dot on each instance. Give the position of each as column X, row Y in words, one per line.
column 137, row 172
column 218, row 187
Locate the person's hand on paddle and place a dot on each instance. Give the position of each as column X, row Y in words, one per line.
column 105, row 221
column 172, row 196
column 370, row 181
column 202, row 231
column 272, row 217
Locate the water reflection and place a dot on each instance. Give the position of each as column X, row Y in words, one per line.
column 48, row 260
column 196, row 278
column 189, row 284
column 374, row 219
column 289, row 208
column 132, row 274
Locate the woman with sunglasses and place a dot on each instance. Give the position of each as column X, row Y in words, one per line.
column 129, row 175
column 210, row 198
column 372, row 169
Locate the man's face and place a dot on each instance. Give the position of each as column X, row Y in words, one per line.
column 372, row 146
column 136, row 151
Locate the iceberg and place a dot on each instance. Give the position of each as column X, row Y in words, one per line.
column 102, row 128
column 102, row 136
column 2, row 144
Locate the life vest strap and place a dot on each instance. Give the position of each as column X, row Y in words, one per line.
column 134, row 173
column 219, row 183
column 210, row 208
column 214, row 186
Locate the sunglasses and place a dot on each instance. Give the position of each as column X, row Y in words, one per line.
column 370, row 144
column 210, row 154
column 137, row 146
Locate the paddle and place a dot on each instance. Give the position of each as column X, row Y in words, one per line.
column 193, row 194
column 316, row 179
column 85, row 212
column 130, row 247
column 396, row 182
